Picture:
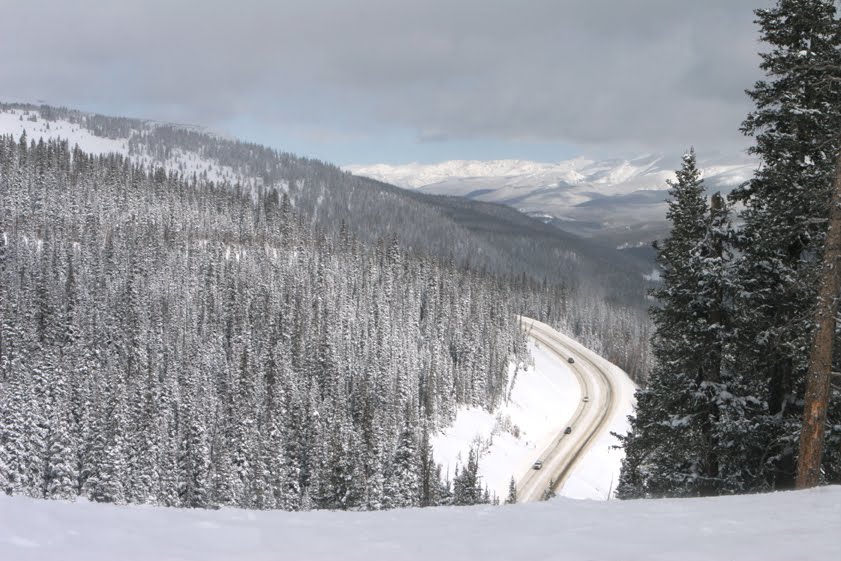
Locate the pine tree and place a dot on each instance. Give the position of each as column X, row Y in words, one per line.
column 512, row 492
column 193, row 461
column 109, row 483
column 819, row 377
column 467, row 488
column 430, row 472
column 795, row 126
column 549, row 493
column 672, row 448
column 15, row 452
column 60, row 473
column 403, row 483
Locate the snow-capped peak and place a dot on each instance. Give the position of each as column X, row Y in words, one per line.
column 613, row 198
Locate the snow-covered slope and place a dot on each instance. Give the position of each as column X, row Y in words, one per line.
column 17, row 121
column 542, row 398
column 588, row 197
column 793, row 526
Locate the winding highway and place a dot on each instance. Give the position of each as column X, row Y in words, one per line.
column 600, row 391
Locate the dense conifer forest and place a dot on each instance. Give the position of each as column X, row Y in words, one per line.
column 183, row 344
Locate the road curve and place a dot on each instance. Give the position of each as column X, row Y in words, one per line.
column 589, row 421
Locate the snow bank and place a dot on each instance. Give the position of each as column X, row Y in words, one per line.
column 801, row 526
column 541, row 401
column 597, row 473
column 543, row 397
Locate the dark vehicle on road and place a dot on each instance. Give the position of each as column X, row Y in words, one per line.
column 571, row 360
column 567, row 430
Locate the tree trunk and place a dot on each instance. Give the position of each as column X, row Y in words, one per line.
column 820, row 358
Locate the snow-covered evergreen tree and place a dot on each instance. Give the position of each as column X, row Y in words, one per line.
column 673, row 446
column 512, row 492
column 402, row 487
column 796, row 126
column 467, row 486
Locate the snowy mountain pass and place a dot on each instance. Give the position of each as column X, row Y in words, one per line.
column 542, row 399
column 510, row 438
column 583, row 462
column 801, row 526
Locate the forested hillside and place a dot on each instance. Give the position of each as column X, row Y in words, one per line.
column 603, row 290
column 175, row 343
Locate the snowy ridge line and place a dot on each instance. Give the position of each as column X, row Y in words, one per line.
column 14, row 122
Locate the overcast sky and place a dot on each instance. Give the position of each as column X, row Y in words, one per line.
column 366, row 81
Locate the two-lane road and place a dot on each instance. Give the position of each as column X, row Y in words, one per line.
column 589, row 421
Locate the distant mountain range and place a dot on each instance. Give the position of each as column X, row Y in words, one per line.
column 616, row 200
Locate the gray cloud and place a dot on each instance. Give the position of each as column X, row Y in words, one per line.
column 639, row 75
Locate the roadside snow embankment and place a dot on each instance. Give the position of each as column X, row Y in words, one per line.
column 541, row 400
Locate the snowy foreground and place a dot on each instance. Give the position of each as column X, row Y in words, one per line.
column 798, row 526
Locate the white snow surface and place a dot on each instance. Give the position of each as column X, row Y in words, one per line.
column 543, row 397
column 16, row 121
column 791, row 526
column 653, row 276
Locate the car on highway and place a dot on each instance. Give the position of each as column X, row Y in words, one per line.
column 537, row 465
column 586, row 399
column 567, row 430
column 571, row 360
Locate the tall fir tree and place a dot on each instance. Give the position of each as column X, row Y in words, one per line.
column 403, row 484
column 795, row 124
column 512, row 492
column 672, row 448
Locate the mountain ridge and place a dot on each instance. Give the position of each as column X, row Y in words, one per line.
column 618, row 200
